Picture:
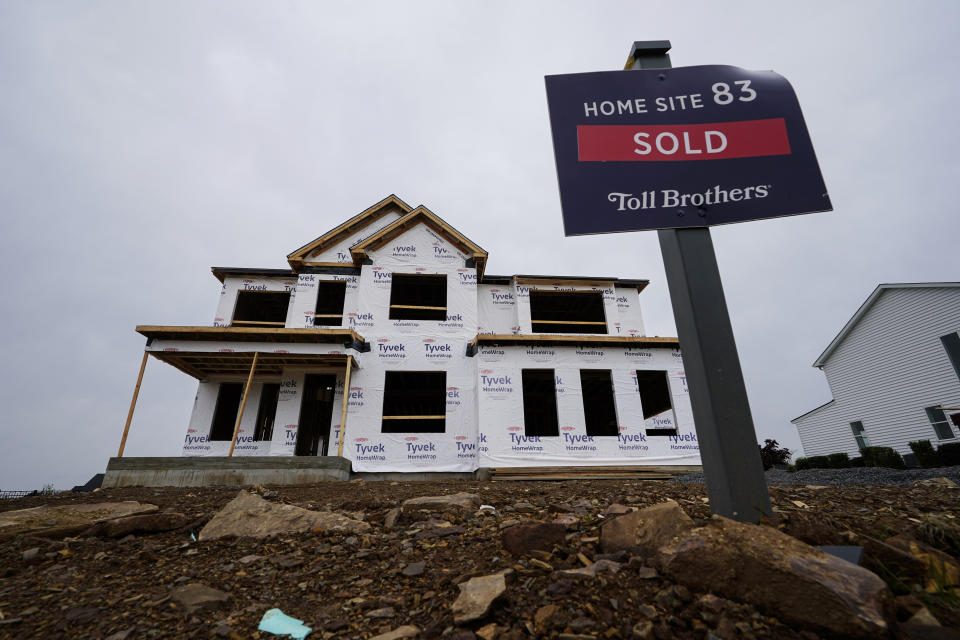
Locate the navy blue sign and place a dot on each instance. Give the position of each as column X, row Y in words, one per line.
column 683, row 147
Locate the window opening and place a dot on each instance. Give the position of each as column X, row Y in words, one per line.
column 261, row 308
column 860, row 434
column 414, row 402
column 599, row 405
column 951, row 343
column 540, row 403
column 567, row 312
column 415, row 296
column 329, row 309
column 938, row 419
column 263, row 431
column 225, row 413
column 654, row 389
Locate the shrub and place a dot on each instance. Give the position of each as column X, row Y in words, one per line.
column 817, row 462
column 881, row 457
column 949, row 454
column 838, row 461
column 856, row 462
column 771, row 454
column 926, row 456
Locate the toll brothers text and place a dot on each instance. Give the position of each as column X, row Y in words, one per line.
column 671, row 198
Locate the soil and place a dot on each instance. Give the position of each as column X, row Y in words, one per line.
column 345, row 586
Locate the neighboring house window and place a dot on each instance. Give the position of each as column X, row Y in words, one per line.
column 225, row 413
column 418, row 297
column 567, row 312
column 951, row 343
column 654, row 391
column 261, row 308
column 599, row 406
column 329, row 310
column 938, row 419
column 539, row 403
column 263, row 431
column 860, row 434
column 414, row 402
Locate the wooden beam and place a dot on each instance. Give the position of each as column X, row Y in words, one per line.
column 414, row 417
column 343, row 410
column 133, row 404
column 243, row 404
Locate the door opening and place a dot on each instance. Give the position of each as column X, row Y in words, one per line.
column 313, row 432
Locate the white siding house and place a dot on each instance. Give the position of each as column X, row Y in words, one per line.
column 893, row 371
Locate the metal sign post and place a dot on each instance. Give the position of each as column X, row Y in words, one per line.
column 728, row 443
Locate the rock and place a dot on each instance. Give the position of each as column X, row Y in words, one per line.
column 569, row 521
column 414, row 569
column 780, row 575
column 647, row 573
column 249, row 515
column 524, row 507
column 812, row 528
column 390, row 520
column 560, row 587
column 406, row 631
column 924, row 617
column 487, row 632
column 523, row 538
column 543, row 617
column 645, row 530
column 476, row 596
column 591, row 571
column 66, row 519
column 936, row 482
column 196, row 596
column 385, row 612
column 941, row 570
column 120, row 635
column 31, row 555
column 144, row 523
column 928, row 632
column 249, row 559
column 79, row 613
column 470, row 501
column 616, row 509
column 643, row 630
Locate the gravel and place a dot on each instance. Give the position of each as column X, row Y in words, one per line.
column 859, row 475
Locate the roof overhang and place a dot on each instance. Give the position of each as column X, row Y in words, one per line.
column 862, row 311
column 347, row 337
column 203, row 364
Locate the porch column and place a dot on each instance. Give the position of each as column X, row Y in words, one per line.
column 343, row 410
column 133, row 404
column 243, row 403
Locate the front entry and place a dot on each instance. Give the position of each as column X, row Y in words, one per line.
column 313, row 434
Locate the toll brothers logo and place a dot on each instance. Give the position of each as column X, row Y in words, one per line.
column 420, row 451
column 391, row 351
column 437, row 351
column 577, row 444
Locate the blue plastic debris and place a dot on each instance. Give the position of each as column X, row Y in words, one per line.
column 193, row 537
column 279, row 623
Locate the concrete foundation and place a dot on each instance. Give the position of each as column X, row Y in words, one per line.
column 224, row 471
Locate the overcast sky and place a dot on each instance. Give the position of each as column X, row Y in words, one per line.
column 142, row 143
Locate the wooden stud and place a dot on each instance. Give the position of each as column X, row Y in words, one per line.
column 243, row 404
column 414, row 417
column 133, row 404
column 343, row 410
column 412, row 306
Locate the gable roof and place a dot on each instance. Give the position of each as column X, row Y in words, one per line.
column 354, row 224
column 868, row 303
column 421, row 215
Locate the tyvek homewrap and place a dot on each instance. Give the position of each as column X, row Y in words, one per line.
column 233, row 285
column 502, row 436
column 414, row 345
column 340, row 252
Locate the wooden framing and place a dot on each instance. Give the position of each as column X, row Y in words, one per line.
column 414, row 417
column 343, row 409
column 243, row 404
column 203, row 364
column 420, row 215
column 363, row 219
column 585, row 339
column 133, row 404
column 248, row 334
column 562, row 282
